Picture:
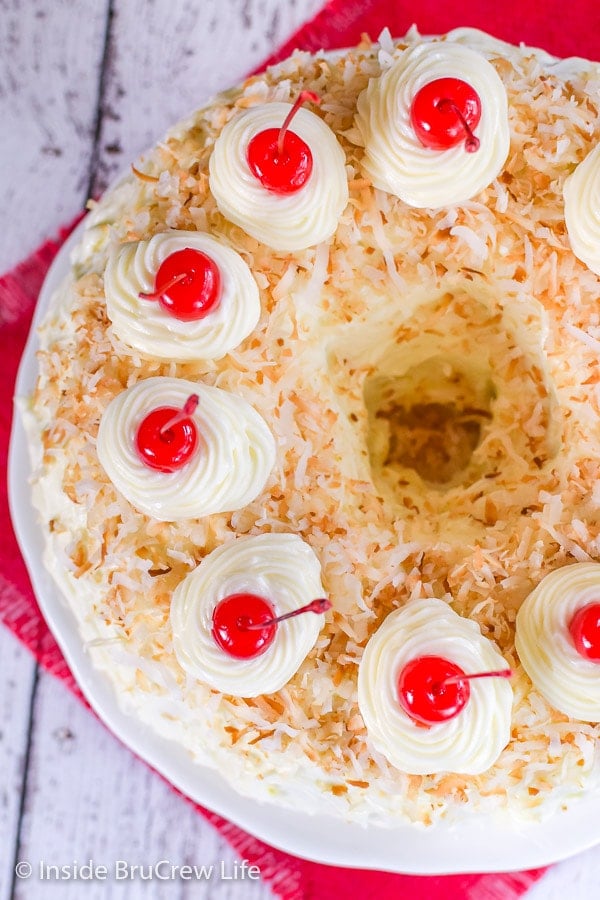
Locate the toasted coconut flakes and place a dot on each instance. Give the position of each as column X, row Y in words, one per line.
column 481, row 545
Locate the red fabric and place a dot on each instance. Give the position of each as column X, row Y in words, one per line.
column 547, row 24
column 340, row 23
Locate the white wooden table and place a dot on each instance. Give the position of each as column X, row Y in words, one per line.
column 86, row 85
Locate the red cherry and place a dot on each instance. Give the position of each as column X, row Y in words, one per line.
column 187, row 285
column 424, row 694
column 444, row 113
column 585, row 631
column 279, row 158
column 167, row 437
column 232, row 617
column 244, row 625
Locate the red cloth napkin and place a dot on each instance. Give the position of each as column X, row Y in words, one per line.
column 572, row 31
column 340, row 24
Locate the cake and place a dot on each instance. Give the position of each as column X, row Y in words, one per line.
column 384, row 399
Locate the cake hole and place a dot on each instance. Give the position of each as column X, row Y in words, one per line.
column 428, row 421
column 434, row 439
column 450, row 409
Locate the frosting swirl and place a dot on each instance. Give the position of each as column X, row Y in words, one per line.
column 566, row 679
column 582, row 210
column 469, row 743
column 279, row 567
column 146, row 326
column 283, row 222
column 230, row 469
column 395, row 159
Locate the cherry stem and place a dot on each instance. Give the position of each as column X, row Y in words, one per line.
column 303, row 97
column 471, row 141
column 454, row 679
column 188, row 409
column 316, row 606
column 156, row 295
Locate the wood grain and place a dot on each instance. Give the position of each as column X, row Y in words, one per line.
column 50, row 61
column 90, row 799
column 17, row 670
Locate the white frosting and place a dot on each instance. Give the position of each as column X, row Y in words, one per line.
column 145, row 325
column 582, row 210
column 235, row 454
column 567, row 680
column 283, row 569
column 284, row 222
column 395, row 159
column 469, row 743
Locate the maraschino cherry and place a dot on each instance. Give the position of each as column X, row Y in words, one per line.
column 187, row 285
column 585, row 631
column 244, row 625
column 444, row 113
column 279, row 158
column 432, row 689
column 167, row 437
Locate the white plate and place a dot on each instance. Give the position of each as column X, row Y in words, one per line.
column 473, row 846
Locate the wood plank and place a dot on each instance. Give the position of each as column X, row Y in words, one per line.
column 90, row 798
column 576, row 878
column 50, row 57
column 189, row 51
column 17, row 676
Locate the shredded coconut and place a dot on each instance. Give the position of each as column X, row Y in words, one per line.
column 491, row 286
